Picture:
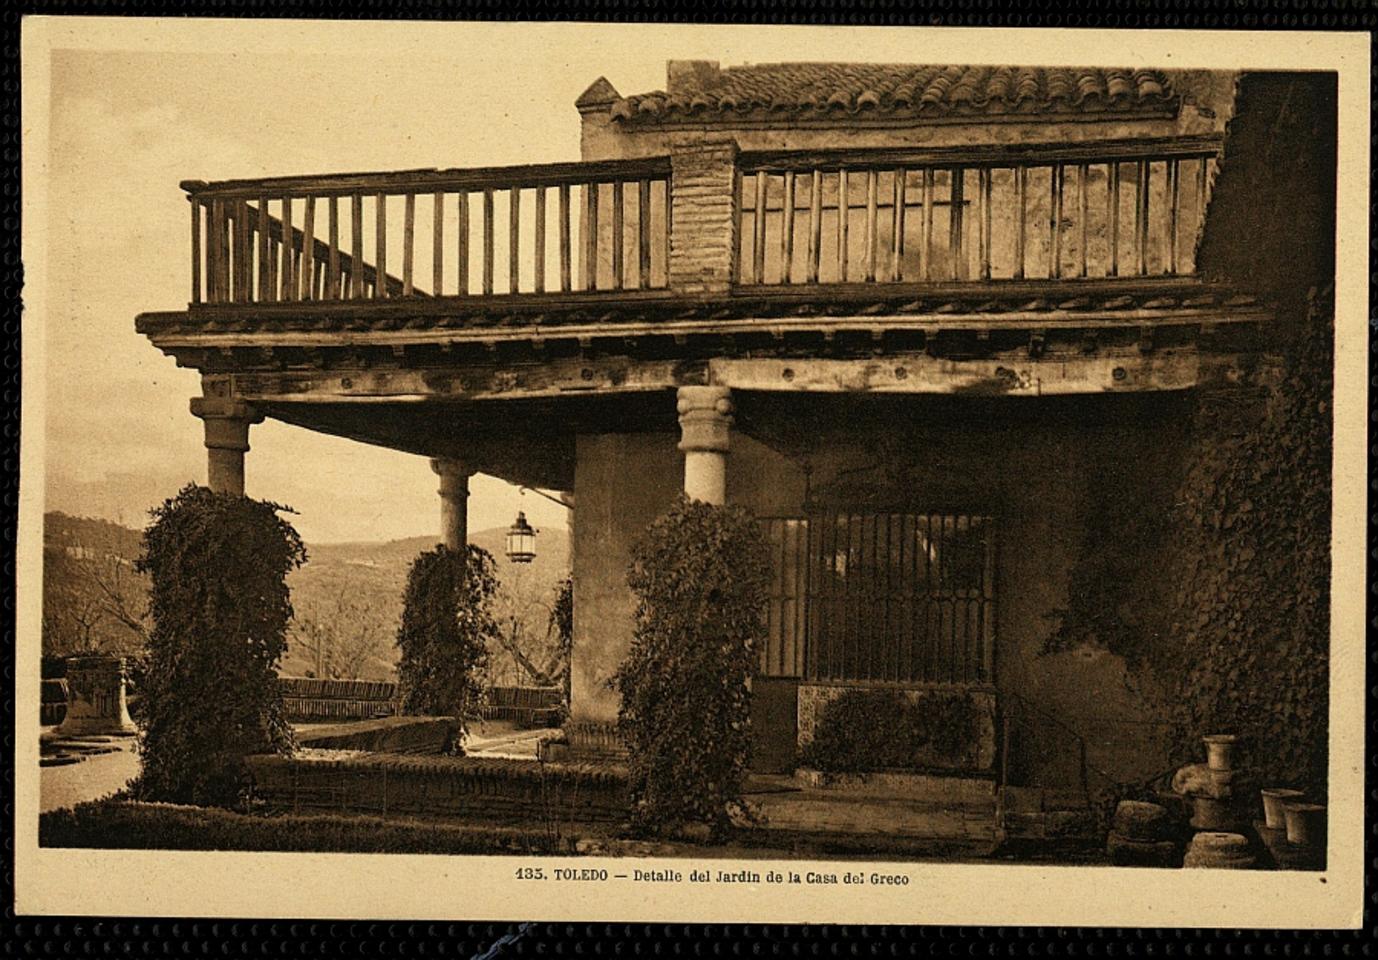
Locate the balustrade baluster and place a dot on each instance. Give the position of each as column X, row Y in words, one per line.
column 758, row 231
column 872, row 200
column 897, row 227
column 538, row 256
column 356, row 229
column 408, row 244
column 274, row 252
column 332, row 273
column 815, row 224
column 590, row 237
column 844, row 207
column 265, row 289
column 438, row 244
column 288, row 288
column 956, row 218
column 643, row 234
column 984, row 177
column 618, row 221
column 246, row 236
column 488, row 241
column 1114, row 202
column 669, row 227
column 1021, row 193
column 462, row 244
column 926, row 227
column 1141, row 215
column 1174, row 172
column 195, row 249
column 1083, row 204
column 308, row 249
column 563, row 216
column 1201, row 178
column 380, row 286
column 787, row 229
column 1055, row 176
column 514, row 220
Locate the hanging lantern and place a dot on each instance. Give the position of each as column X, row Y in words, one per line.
column 521, row 541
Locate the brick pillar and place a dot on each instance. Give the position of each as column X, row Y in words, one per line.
column 96, row 697
column 454, row 501
column 227, row 423
column 705, row 422
column 703, row 214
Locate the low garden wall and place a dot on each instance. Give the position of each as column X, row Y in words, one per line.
column 484, row 788
column 306, row 699
column 407, row 735
column 938, row 728
column 130, row 825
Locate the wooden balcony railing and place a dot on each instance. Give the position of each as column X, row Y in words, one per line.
column 1082, row 210
column 569, row 227
column 1108, row 209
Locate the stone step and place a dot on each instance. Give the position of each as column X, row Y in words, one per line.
column 923, row 788
column 1051, row 825
column 841, row 813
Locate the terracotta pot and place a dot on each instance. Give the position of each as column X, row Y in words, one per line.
column 1305, row 824
column 1220, row 751
column 1274, row 801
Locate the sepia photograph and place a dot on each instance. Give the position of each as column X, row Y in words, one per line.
column 784, row 471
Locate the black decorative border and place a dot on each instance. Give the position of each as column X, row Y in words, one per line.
column 73, row 936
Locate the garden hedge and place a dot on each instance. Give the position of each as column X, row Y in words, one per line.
column 117, row 823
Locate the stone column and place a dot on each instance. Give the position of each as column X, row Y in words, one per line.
column 96, row 698
column 227, row 423
column 705, row 422
column 454, row 501
column 703, row 213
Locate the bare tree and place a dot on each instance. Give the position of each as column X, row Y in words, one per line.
column 343, row 634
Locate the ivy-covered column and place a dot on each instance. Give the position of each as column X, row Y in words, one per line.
column 227, row 423
column 705, row 422
column 454, row 501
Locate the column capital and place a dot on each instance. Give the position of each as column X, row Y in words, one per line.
column 705, row 418
column 451, row 467
column 227, row 421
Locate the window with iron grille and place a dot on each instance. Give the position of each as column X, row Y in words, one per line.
column 881, row 597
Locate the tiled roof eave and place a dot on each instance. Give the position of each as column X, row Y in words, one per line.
column 628, row 114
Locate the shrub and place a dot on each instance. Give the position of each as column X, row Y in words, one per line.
column 447, row 626
column 116, row 823
column 861, row 731
column 220, row 607
column 699, row 574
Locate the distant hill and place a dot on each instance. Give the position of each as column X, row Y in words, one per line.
column 347, row 597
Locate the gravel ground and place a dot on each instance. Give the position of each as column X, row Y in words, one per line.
column 94, row 777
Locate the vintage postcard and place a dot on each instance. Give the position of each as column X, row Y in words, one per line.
column 561, row 471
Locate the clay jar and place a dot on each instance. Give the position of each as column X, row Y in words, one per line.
column 1275, row 800
column 1220, row 751
column 1305, row 824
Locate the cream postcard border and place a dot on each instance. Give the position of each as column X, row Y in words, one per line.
column 386, row 886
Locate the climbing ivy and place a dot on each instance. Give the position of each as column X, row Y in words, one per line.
column 1219, row 602
column 220, row 607
column 446, row 629
column 699, row 574
column 1247, row 634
